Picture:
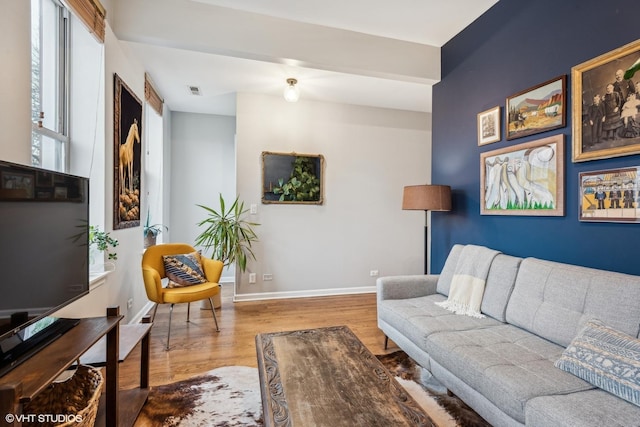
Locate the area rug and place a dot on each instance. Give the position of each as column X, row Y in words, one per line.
column 230, row 397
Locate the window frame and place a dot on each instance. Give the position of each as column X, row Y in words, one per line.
column 62, row 83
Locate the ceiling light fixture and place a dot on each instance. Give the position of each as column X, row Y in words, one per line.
column 291, row 92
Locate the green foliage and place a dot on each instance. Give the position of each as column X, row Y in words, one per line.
column 103, row 241
column 303, row 184
column 228, row 234
column 529, row 205
column 153, row 230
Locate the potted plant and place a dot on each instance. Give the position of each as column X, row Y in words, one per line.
column 151, row 231
column 102, row 242
column 228, row 233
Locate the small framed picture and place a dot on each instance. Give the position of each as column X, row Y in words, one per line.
column 610, row 195
column 537, row 109
column 489, row 126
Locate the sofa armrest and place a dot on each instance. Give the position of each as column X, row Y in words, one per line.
column 403, row 287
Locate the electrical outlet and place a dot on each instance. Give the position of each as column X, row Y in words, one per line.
column 374, row 273
column 252, row 277
column 253, row 209
column 130, row 303
column 267, row 276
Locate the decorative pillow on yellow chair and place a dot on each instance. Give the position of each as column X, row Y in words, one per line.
column 184, row 269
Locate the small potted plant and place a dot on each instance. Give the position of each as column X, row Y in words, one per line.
column 101, row 241
column 151, row 231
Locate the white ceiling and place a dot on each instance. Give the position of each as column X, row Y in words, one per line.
column 225, row 63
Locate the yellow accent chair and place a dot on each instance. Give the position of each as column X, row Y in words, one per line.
column 153, row 272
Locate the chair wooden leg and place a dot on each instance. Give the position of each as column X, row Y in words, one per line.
column 153, row 316
column 169, row 331
column 386, row 342
column 188, row 311
column 215, row 318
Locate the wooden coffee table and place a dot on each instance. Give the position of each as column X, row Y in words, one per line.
column 327, row 377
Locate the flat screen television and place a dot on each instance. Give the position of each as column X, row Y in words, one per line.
column 44, row 221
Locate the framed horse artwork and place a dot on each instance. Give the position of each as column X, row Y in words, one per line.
column 127, row 121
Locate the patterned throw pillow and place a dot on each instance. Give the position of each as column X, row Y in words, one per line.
column 183, row 269
column 606, row 358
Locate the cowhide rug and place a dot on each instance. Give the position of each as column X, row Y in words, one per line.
column 230, row 396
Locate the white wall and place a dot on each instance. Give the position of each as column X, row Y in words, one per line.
column 126, row 281
column 15, row 81
column 203, row 166
column 370, row 155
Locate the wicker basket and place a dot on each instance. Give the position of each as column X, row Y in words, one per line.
column 76, row 400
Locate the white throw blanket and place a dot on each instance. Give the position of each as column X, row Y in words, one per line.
column 468, row 281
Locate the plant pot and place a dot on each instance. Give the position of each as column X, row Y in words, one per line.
column 149, row 240
column 217, row 302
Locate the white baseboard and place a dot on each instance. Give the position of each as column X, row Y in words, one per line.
column 139, row 315
column 304, row 294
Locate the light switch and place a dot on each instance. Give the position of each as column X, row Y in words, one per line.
column 253, row 208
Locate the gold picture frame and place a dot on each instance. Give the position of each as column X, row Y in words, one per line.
column 292, row 178
column 616, row 133
column 489, row 126
column 524, row 179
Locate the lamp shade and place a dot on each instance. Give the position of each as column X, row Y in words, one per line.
column 427, row 198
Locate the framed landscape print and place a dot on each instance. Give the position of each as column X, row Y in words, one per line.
column 610, row 195
column 292, row 178
column 538, row 109
column 489, row 126
column 127, row 124
column 606, row 105
column 525, row 179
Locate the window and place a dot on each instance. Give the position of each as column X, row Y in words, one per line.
column 49, row 84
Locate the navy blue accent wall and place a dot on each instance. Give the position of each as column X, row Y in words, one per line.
column 518, row 44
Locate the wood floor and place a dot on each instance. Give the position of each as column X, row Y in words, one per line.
column 197, row 348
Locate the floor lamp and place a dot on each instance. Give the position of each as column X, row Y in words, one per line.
column 426, row 198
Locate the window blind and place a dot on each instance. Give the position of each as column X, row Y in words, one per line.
column 151, row 95
column 92, row 14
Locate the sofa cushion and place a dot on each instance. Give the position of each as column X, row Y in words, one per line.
column 506, row 364
column 591, row 408
column 417, row 318
column 605, row 358
column 499, row 286
column 555, row 300
column 449, row 268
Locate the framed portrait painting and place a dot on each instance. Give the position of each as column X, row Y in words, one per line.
column 524, row 179
column 127, row 123
column 610, row 195
column 292, row 178
column 537, row 109
column 489, row 126
column 606, row 105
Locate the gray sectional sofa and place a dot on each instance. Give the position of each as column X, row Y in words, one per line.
column 502, row 365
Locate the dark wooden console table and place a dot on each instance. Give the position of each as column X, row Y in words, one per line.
column 24, row 382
